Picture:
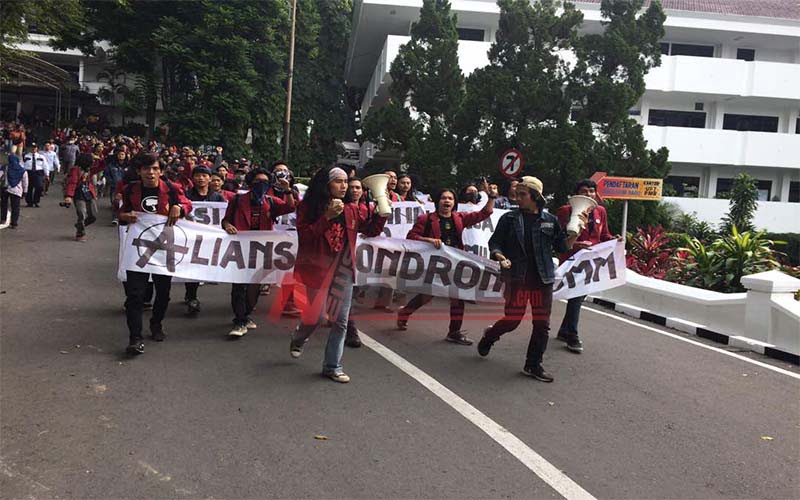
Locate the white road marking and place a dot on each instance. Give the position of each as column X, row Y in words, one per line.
column 550, row 474
column 696, row 343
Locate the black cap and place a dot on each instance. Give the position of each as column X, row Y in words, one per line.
column 202, row 169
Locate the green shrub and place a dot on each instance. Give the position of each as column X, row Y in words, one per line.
column 788, row 244
column 721, row 265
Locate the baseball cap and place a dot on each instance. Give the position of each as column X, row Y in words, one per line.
column 532, row 183
column 202, row 169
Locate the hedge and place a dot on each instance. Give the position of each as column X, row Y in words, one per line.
column 791, row 248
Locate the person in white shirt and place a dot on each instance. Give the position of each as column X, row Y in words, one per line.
column 52, row 164
column 36, row 167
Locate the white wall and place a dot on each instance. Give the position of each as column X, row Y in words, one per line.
column 772, row 216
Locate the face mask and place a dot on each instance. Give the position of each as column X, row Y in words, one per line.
column 259, row 189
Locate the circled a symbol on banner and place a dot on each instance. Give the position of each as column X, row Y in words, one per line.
column 511, row 163
column 172, row 240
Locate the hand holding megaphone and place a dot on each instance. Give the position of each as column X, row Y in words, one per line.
column 581, row 207
column 377, row 185
column 334, row 208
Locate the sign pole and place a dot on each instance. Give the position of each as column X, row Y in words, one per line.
column 624, row 223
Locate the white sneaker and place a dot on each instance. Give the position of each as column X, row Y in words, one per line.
column 250, row 324
column 238, row 331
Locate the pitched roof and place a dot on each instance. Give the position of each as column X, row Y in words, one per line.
column 779, row 9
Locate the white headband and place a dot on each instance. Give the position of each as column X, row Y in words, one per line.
column 336, row 173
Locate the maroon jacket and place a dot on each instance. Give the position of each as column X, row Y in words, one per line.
column 315, row 253
column 239, row 211
column 167, row 195
column 75, row 177
column 427, row 225
column 595, row 231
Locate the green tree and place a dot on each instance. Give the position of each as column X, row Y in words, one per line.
column 48, row 17
column 521, row 99
column 743, row 205
column 426, row 94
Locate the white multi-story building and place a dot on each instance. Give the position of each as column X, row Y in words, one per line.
column 725, row 100
column 51, row 85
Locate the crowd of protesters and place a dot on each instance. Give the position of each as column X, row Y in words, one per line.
column 155, row 178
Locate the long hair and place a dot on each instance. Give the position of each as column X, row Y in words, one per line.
column 437, row 195
column 317, row 195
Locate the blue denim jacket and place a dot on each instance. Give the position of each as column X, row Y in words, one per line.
column 509, row 239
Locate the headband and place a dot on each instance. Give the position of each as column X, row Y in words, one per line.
column 336, row 173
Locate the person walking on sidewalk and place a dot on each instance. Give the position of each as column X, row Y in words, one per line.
column 327, row 229
column 201, row 177
column 596, row 231
column 151, row 195
column 13, row 185
column 444, row 226
column 253, row 211
column 524, row 242
column 81, row 191
column 35, row 164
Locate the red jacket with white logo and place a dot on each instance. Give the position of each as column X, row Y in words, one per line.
column 240, row 213
column 168, row 194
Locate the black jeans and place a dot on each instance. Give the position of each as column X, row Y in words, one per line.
column 136, row 289
column 244, row 297
column 35, row 186
column 518, row 296
column 14, row 200
column 191, row 291
column 419, row 300
column 569, row 325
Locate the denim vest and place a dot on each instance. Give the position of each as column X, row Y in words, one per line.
column 509, row 239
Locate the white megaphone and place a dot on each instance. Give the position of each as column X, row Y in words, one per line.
column 377, row 185
column 301, row 189
column 579, row 204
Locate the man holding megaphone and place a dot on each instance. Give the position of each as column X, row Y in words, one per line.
column 523, row 242
column 595, row 231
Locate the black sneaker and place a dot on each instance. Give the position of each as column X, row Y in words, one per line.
column 574, row 344
column 352, row 340
column 485, row 345
column 458, row 338
column 538, row 373
column 157, row 332
column 135, row 348
column 194, row 306
column 562, row 336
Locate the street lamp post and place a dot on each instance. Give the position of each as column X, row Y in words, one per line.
column 287, row 122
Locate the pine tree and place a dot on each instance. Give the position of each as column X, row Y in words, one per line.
column 426, row 95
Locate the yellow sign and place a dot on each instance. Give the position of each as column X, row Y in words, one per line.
column 629, row 188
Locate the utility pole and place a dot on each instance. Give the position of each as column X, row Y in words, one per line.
column 287, row 122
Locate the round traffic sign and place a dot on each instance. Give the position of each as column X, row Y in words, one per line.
column 511, row 162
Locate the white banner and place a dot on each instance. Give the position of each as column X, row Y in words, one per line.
column 195, row 252
column 591, row 270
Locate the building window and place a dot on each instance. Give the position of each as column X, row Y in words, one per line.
column 684, row 187
column 794, row 192
column 670, row 118
column 685, row 49
column 797, row 126
column 754, row 123
column 472, row 34
column 664, row 48
column 746, row 54
column 724, row 187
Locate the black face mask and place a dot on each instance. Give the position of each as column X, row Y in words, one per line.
column 471, row 198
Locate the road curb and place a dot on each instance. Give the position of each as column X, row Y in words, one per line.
column 698, row 330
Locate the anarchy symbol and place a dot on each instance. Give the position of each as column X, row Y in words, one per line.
column 164, row 241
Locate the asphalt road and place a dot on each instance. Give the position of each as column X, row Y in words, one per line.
column 638, row 415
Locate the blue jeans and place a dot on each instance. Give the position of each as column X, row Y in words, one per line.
column 336, row 301
column 569, row 325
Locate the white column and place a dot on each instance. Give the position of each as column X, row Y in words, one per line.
column 712, row 182
column 19, row 105
column 786, row 179
column 81, row 69
column 767, row 291
column 720, row 115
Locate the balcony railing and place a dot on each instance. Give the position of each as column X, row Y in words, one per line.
column 726, row 147
column 705, row 75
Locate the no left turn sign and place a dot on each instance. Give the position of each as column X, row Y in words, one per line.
column 511, row 163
